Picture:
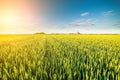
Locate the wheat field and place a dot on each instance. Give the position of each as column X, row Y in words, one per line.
column 59, row 57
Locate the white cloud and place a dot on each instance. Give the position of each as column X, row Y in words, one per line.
column 108, row 13
column 85, row 14
column 84, row 22
column 117, row 24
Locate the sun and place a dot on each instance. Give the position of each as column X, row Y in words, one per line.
column 16, row 15
column 8, row 18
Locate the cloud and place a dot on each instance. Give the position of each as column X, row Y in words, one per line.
column 116, row 25
column 84, row 22
column 108, row 13
column 117, row 21
column 85, row 14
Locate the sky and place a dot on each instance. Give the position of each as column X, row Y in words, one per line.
column 59, row 16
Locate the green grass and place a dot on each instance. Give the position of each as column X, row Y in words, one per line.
column 62, row 57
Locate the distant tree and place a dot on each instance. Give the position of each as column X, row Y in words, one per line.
column 78, row 33
column 40, row 33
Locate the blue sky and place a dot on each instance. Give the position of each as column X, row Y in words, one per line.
column 71, row 9
column 60, row 16
column 86, row 16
